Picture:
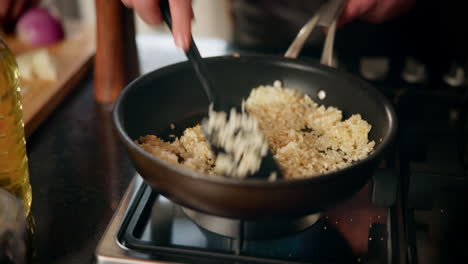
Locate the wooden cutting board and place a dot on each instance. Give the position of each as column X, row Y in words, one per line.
column 73, row 57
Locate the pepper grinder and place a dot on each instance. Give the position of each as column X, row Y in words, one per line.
column 116, row 61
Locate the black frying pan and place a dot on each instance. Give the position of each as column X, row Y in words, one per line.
column 173, row 95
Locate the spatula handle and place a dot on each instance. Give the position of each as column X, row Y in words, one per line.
column 194, row 57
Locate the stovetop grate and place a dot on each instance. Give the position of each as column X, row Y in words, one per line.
column 178, row 239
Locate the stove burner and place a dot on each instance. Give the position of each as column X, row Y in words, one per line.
column 251, row 230
column 148, row 228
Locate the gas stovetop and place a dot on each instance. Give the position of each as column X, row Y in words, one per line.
column 148, row 228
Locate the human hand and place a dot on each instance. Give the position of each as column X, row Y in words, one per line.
column 181, row 13
column 374, row 11
column 11, row 10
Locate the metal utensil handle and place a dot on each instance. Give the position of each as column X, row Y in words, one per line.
column 296, row 46
column 194, row 57
column 330, row 12
column 327, row 52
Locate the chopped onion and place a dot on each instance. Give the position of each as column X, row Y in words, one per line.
column 38, row 27
column 37, row 64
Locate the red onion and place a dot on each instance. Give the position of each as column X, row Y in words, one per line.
column 38, row 27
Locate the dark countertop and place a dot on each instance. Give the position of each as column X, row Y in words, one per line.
column 78, row 174
column 78, row 168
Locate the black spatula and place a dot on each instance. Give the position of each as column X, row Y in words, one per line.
column 246, row 128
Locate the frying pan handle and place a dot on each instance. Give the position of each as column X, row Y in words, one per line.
column 327, row 52
column 194, row 57
column 296, row 46
column 326, row 16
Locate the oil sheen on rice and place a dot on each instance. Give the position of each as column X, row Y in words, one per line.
column 14, row 174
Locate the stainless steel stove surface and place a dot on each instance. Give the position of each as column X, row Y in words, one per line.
column 148, row 228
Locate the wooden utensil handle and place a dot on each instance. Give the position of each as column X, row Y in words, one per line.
column 116, row 61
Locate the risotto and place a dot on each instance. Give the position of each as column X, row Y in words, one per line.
column 306, row 139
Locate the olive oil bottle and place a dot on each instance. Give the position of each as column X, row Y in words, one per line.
column 14, row 173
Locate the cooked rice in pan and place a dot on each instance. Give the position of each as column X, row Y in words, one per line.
column 306, row 139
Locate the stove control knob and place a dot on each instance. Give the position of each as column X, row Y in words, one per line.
column 374, row 68
column 413, row 71
column 455, row 77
